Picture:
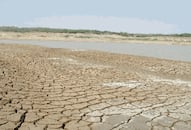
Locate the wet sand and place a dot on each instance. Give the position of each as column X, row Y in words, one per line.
column 52, row 89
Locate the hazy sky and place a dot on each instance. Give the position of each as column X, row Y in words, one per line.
column 133, row 16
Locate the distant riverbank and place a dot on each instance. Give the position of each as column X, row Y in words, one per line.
column 93, row 37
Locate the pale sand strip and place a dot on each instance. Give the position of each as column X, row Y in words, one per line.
column 82, row 37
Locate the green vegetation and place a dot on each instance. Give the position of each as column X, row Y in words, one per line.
column 52, row 30
column 183, row 35
column 55, row 30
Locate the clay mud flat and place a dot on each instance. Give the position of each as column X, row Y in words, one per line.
column 55, row 89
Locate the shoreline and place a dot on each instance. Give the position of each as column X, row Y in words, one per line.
column 168, row 52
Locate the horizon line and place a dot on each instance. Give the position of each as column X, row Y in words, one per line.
column 13, row 28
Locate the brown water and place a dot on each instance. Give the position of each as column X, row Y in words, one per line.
column 172, row 52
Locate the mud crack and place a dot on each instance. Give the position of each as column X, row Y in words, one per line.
column 22, row 120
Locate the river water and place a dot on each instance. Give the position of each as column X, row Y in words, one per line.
column 172, row 52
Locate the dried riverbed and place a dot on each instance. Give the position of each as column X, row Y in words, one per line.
column 52, row 89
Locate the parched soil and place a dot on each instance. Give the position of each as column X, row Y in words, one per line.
column 55, row 89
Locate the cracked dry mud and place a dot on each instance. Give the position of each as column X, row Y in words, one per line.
column 55, row 89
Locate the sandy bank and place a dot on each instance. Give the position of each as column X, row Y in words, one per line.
column 81, row 37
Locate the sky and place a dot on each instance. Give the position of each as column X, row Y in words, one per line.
column 131, row 16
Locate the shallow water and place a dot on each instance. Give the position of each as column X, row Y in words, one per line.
column 173, row 52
